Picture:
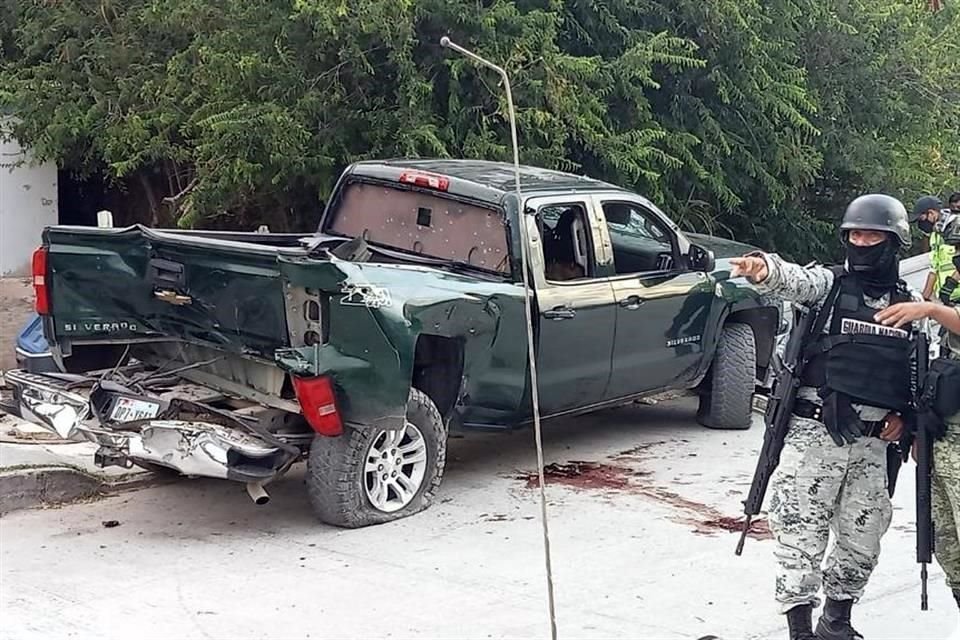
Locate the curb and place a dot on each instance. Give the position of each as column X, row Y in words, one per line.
column 30, row 486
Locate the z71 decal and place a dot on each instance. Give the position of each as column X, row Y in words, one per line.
column 365, row 295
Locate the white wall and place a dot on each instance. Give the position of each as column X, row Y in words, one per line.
column 28, row 203
column 914, row 270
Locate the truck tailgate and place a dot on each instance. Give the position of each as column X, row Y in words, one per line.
column 137, row 282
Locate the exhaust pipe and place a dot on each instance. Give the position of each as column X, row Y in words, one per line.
column 257, row 493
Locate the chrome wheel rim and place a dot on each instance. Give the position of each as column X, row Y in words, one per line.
column 396, row 463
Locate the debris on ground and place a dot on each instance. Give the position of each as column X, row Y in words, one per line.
column 640, row 450
column 14, row 430
column 759, row 529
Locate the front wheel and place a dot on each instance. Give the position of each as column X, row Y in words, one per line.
column 727, row 400
column 372, row 476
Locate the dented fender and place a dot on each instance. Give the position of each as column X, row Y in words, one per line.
column 738, row 298
column 370, row 319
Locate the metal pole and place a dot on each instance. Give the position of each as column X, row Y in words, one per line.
column 531, row 350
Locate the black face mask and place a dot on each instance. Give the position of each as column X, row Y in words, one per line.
column 876, row 267
column 926, row 226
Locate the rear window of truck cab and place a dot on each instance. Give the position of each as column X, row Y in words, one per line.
column 423, row 222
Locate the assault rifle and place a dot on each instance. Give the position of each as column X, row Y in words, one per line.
column 778, row 414
column 924, row 444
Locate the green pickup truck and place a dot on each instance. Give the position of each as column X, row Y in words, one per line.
column 235, row 355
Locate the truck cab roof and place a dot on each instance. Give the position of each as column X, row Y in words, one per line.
column 481, row 179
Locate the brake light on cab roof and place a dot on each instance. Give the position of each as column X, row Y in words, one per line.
column 428, row 180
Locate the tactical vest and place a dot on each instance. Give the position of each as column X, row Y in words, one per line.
column 859, row 357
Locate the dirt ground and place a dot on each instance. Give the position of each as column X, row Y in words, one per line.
column 16, row 303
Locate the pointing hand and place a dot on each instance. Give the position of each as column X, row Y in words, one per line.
column 754, row 268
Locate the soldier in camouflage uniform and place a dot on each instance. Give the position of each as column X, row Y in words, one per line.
column 946, row 450
column 832, row 471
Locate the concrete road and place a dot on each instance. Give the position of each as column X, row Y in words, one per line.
column 639, row 540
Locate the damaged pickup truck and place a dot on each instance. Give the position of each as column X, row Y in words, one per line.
column 235, row 355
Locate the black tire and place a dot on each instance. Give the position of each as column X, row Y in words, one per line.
column 335, row 469
column 727, row 400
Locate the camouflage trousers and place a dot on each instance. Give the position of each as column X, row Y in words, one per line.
column 946, row 503
column 819, row 488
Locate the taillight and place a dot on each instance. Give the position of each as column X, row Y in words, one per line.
column 40, row 290
column 319, row 404
column 428, row 180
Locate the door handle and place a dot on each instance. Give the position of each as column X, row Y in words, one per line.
column 560, row 313
column 166, row 273
column 632, row 302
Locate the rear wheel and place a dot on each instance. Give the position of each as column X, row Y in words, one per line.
column 727, row 398
column 371, row 476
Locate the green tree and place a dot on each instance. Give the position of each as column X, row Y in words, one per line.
column 757, row 119
column 886, row 77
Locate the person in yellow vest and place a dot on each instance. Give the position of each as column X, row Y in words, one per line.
column 953, row 205
column 932, row 219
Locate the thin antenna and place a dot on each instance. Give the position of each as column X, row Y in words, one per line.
column 531, row 351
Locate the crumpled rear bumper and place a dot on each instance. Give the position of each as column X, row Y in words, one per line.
column 213, row 447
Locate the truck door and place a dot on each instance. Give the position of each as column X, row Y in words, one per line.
column 661, row 306
column 577, row 313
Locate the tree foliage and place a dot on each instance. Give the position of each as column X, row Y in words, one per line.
column 752, row 118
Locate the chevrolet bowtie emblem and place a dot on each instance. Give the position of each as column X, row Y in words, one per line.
column 172, row 297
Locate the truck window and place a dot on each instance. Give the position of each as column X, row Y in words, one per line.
column 641, row 243
column 567, row 250
column 423, row 223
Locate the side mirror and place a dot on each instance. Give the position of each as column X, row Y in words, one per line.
column 701, row 259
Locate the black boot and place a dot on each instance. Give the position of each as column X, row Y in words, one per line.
column 800, row 621
column 835, row 621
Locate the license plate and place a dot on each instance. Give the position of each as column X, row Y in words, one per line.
column 130, row 409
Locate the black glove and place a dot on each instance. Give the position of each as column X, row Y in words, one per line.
column 842, row 422
column 932, row 424
column 909, row 434
column 946, row 291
